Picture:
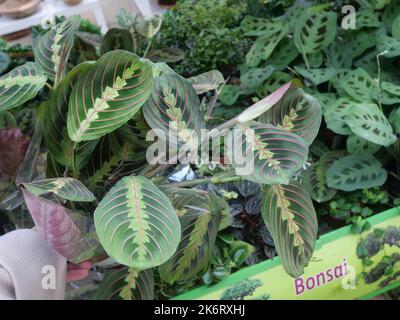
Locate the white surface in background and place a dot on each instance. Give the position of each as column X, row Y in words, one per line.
column 149, row 8
column 49, row 8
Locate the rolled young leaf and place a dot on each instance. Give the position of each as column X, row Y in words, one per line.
column 20, row 85
column 137, row 224
column 289, row 214
column 53, row 49
column 107, row 95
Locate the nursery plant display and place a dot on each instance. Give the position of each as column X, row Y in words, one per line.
column 100, row 193
column 170, row 177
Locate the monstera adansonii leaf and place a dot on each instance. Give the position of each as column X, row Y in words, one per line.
column 266, row 154
column 58, row 142
column 13, row 147
column 137, row 224
column 289, row 214
column 53, row 49
column 314, row 179
column 356, row 172
column 296, row 112
column 174, row 108
column 107, row 95
column 20, row 85
column 126, row 284
column 65, row 188
column 200, row 218
column 71, row 234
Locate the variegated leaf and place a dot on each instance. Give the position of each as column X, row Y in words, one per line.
column 200, row 218
column 137, row 224
column 53, row 49
column 20, row 85
column 148, row 27
column 65, row 188
column 296, row 112
column 59, row 227
column 207, row 81
column 289, row 214
column 107, row 95
column 266, row 154
column 174, row 108
column 114, row 281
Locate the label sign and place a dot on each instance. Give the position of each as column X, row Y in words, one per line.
column 344, row 266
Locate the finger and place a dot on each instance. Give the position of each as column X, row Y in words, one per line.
column 75, row 275
column 82, row 265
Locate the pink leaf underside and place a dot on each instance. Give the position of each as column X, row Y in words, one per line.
column 55, row 225
column 13, row 146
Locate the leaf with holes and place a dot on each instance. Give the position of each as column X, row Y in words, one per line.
column 255, row 77
column 316, row 76
column 200, row 220
column 58, row 142
column 264, row 46
column 167, row 55
column 21, row 85
column 389, row 45
column 115, row 280
column 358, row 84
column 69, row 233
column 174, row 108
column 13, row 147
column 53, row 49
column 289, row 214
column 252, row 26
column 314, row 32
column 356, row 172
column 296, row 112
column 65, row 188
column 207, row 81
column 357, row 145
column 137, row 224
column 107, row 95
column 335, row 116
column 367, row 121
column 314, row 179
column 265, row 154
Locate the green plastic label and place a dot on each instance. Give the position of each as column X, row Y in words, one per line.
column 344, row 266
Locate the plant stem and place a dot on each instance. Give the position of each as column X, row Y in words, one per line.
column 148, row 48
column 378, row 80
column 74, row 169
column 213, row 180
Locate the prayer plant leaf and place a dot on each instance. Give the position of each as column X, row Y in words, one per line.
column 148, row 27
column 266, row 154
column 252, row 26
column 65, row 188
column 200, row 218
column 367, row 18
column 316, row 76
column 53, row 49
column 314, row 179
column 174, row 108
column 335, row 115
column 167, row 55
column 357, row 145
column 356, row 172
column 58, row 142
column 315, row 31
column 358, row 84
column 367, row 121
column 255, row 77
column 107, row 95
column 117, row 39
column 296, row 112
column 58, row 226
column 137, row 224
column 207, row 81
column 289, row 214
column 21, row 85
column 13, row 147
column 229, row 94
column 389, row 45
column 116, row 280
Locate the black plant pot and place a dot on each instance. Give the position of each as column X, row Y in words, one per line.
column 167, row 3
